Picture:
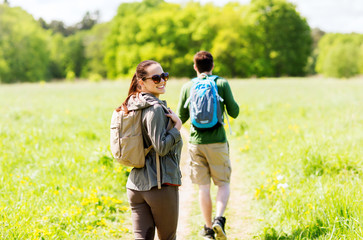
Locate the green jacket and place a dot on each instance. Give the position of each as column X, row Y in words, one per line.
column 167, row 143
column 214, row 135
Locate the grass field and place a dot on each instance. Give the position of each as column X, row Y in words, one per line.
column 299, row 141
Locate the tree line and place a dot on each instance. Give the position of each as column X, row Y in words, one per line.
column 266, row 38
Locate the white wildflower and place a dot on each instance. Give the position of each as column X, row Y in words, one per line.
column 282, row 185
column 279, row 177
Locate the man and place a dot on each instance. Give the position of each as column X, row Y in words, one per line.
column 209, row 150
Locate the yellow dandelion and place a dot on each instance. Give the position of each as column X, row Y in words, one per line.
column 84, row 202
column 102, row 222
column 56, row 192
column 99, row 208
column 117, row 201
column 257, row 193
column 124, row 208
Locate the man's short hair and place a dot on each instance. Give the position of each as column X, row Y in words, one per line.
column 203, row 60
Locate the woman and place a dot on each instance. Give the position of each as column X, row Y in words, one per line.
column 152, row 207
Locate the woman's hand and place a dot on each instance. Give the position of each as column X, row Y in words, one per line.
column 175, row 119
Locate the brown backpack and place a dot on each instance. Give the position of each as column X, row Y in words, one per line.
column 127, row 145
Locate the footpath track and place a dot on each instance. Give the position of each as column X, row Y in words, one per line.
column 240, row 220
column 187, row 192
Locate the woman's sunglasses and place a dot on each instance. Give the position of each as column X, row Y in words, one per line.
column 157, row 78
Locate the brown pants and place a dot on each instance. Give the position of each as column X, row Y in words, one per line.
column 154, row 208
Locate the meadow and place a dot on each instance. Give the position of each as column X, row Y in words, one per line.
column 297, row 141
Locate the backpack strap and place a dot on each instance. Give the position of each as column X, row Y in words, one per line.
column 229, row 125
column 158, row 177
column 147, row 150
column 158, row 174
column 213, row 77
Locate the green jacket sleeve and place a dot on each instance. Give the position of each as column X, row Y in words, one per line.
column 231, row 105
column 182, row 112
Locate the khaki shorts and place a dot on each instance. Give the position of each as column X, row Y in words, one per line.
column 210, row 161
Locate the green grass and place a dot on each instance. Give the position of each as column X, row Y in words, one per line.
column 58, row 180
column 300, row 141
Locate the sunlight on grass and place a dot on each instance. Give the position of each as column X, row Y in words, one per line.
column 298, row 141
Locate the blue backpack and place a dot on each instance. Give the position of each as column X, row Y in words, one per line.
column 204, row 107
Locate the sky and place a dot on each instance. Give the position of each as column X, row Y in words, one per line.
column 343, row 16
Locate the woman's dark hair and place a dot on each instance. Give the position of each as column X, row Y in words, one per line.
column 203, row 60
column 135, row 88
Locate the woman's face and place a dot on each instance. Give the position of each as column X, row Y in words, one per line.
column 148, row 85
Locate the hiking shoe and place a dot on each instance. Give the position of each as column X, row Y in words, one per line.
column 207, row 233
column 218, row 227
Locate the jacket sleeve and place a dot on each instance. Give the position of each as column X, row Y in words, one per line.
column 155, row 123
column 182, row 112
column 231, row 105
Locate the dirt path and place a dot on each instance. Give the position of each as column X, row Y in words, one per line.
column 187, row 192
column 240, row 220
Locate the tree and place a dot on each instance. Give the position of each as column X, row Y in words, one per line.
column 89, row 20
column 74, row 59
column 23, row 52
column 316, row 35
column 280, row 38
column 94, row 43
column 339, row 55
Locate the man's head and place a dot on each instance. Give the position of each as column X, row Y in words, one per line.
column 203, row 62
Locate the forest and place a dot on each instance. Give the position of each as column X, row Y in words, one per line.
column 265, row 38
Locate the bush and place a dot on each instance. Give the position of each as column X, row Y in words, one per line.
column 342, row 61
